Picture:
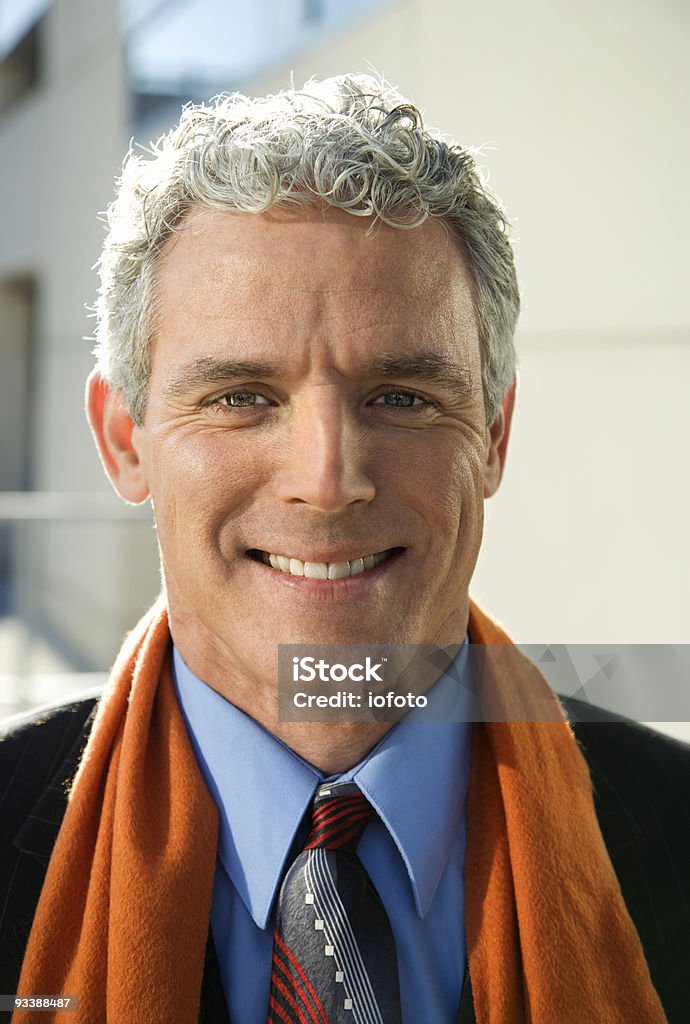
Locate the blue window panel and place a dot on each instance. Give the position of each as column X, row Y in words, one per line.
column 194, row 48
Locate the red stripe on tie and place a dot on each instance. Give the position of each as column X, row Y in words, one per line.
column 335, row 806
column 341, row 841
column 310, row 988
column 277, row 1008
column 275, row 980
column 336, row 809
column 296, row 987
column 347, row 823
column 352, row 823
column 326, row 825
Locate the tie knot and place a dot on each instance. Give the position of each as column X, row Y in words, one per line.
column 339, row 816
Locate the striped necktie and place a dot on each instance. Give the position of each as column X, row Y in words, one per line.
column 334, row 958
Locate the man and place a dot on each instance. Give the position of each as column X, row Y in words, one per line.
column 305, row 360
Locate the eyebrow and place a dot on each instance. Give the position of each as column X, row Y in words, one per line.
column 203, row 372
column 423, row 367
column 427, row 368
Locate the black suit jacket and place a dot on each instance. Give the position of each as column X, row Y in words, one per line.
column 640, row 781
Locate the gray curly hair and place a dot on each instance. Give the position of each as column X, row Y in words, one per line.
column 351, row 142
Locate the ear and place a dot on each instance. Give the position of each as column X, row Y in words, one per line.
column 499, row 432
column 117, row 438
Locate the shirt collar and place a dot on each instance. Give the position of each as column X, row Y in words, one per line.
column 416, row 778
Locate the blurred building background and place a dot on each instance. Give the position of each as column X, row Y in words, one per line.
column 581, row 113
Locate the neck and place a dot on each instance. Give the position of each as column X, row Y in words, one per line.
column 331, row 747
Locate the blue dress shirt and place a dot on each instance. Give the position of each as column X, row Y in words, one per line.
column 416, row 779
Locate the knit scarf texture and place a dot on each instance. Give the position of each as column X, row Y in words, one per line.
column 123, row 917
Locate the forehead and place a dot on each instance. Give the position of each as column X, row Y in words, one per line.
column 209, row 243
column 317, row 273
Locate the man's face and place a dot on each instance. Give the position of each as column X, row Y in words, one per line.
column 315, row 395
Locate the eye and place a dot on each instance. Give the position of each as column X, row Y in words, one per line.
column 401, row 399
column 242, row 399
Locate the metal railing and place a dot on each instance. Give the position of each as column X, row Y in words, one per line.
column 38, row 665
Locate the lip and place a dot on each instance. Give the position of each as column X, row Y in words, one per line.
column 348, row 586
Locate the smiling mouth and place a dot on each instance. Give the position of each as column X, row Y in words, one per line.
column 322, row 570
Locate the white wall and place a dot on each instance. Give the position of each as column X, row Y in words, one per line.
column 587, row 540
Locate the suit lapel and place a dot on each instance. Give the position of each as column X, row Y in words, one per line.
column 37, row 835
column 617, row 821
column 466, row 1012
column 33, row 842
column 213, row 1009
column 36, row 838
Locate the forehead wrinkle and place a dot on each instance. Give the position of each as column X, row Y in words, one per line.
column 249, row 272
column 423, row 366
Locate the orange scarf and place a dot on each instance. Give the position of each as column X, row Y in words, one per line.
column 123, row 916
column 549, row 938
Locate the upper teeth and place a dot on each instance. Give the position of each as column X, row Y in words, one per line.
column 323, row 570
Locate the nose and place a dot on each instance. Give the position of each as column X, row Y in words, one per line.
column 323, row 461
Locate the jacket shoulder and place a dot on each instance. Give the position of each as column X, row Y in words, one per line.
column 640, row 779
column 39, row 754
column 33, row 748
column 636, row 760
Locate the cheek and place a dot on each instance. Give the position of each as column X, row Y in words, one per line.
column 199, row 482
column 453, row 479
column 454, row 506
